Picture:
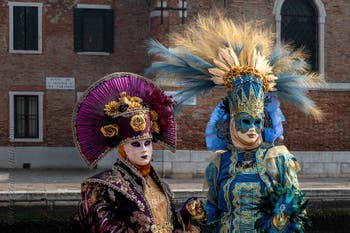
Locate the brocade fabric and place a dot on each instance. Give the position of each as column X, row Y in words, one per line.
column 118, row 200
column 238, row 179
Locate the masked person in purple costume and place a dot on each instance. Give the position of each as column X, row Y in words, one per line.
column 128, row 112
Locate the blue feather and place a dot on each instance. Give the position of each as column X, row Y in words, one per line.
column 190, row 70
column 297, row 65
column 290, row 87
column 196, row 61
column 179, row 57
column 166, row 68
column 156, row 48
column 277, row 54
column 193, row 88
column 282, row 200
column 217, row 130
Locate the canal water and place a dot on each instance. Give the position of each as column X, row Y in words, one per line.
column 326, row 218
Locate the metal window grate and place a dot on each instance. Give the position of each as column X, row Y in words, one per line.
column 299, row 27
column 26, row 116
column 182, row 8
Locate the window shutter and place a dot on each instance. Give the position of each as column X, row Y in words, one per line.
column 31, row 22
column 18, row 28
column 78, row 29
column 109, row 31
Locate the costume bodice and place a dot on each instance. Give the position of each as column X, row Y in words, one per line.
column 130, row 202
column 242, row 181
column 159, row 207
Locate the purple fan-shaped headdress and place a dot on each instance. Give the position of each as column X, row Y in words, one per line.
column 96, row 129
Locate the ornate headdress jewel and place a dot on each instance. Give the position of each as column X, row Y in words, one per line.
column 124, row 105
column 129, row 106
column 228, row 68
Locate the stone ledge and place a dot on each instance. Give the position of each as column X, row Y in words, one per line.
column 72, row 197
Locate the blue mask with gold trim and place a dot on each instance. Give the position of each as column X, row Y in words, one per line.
column 244, row 121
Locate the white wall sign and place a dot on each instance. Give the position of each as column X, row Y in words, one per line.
column 60, row 83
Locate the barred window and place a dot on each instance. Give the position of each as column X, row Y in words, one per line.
column 26, row 116
column 299, row 27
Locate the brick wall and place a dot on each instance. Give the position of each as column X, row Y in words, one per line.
column 301, row 131
column 132, row 27
column 27, row 72
column 337, row 40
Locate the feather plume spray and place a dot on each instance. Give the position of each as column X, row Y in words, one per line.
column 293, row 81
column 186, row 62
column 214, row 48
column 193, row 88
column 208, row 33
column 282, row 211
column 189, row 70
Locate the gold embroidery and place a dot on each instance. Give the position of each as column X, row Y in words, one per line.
column 162, row 228
column 232, row 172
column 159, row 207
column 262, row 167
column 245, row 195
column 276, row 151
column 290, row 163
column 116, row 181
column 252, row 169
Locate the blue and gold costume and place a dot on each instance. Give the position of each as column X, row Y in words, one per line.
column 252, row 181
column 238, row 179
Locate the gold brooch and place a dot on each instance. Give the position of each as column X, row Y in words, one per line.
column 138, row 123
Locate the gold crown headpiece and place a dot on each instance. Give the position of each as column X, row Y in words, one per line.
column 252, row 103
column 228, row 71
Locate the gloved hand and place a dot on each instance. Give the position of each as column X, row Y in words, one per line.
column 193, row 208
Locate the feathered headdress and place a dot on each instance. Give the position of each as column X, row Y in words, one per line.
column 119, row 108
column 214, row 50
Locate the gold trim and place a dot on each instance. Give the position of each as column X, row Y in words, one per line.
column 238, row 71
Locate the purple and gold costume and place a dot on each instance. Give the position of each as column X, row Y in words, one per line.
column 121, row 200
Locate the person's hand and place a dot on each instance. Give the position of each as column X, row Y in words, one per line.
column 194, row 207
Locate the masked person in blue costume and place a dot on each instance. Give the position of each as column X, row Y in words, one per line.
column 253, row 186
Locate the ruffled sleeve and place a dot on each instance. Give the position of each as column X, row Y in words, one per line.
column 282, row 209
column 282, row 166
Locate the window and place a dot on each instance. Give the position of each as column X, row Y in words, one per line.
column 25, row 27
column 299, row 26
column 26, row 116
column 93, row 29
column 294, row 19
